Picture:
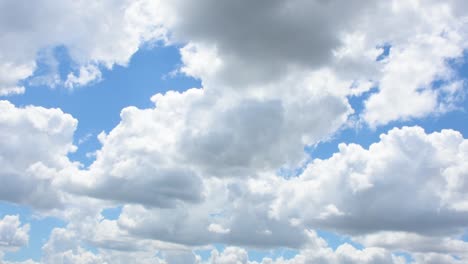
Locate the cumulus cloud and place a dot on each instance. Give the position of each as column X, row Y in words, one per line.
column 405, row 182
column 95, row 34
column 13, row 235
column 229, row 205
column 200, row 166
column 243, row 44
column 415, row 243
column 316, row 251
column 34, row 143
column 166, row 151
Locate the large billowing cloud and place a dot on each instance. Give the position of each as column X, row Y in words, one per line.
column 34, row 143
column 409, row 181
column 166, row 151
column 203, row 166
column 242, row 44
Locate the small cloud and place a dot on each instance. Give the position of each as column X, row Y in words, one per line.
column 85, row 138
column 216, row 228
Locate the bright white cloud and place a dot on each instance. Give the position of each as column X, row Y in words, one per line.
column 34, row 143
column 411, row 242
column 166, row 151
column 95, row 34
column 404, row 182
column 13, row 235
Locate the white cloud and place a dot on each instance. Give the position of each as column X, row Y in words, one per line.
column 166, row 151
column 87, row 74
column 34, row 143
column 94, row 33
column 317, row 251
column 62, row 247
column 415, row 243
column 13, row 235
column 200, row 166
column 229, row 255
column 409, row 181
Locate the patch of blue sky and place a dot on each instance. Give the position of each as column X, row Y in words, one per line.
column 464, row 237
column 407, row 256
column 334, row 240
column 285, row 253
column 90, row 248
column 112, row 213
column 385, row 51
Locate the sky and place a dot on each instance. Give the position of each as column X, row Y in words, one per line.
column 233, row 132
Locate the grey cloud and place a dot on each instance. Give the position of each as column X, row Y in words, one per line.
column 150, row 186
column 261, row 39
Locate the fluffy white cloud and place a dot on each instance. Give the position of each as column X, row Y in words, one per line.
column 434, row 258
column 408, row 173
column 29, row 261
column 409, row 181
column 94, row 33
column 63, row 247
column 200, row 166
column 415, row 243
column 230, row 205
column 71, row 245
column 13, row 235
column 316, row 251
column 34, row 143
column 166, row 152
column 243, row 44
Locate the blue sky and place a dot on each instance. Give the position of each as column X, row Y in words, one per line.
column 307, row 139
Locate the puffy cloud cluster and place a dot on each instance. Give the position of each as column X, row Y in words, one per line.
column 409, row 181
column 410, row 186
column 243, row 44
column 34, row 143
column 95, row 34
column 13, row 235
column 62, row 248
column 167, row 152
